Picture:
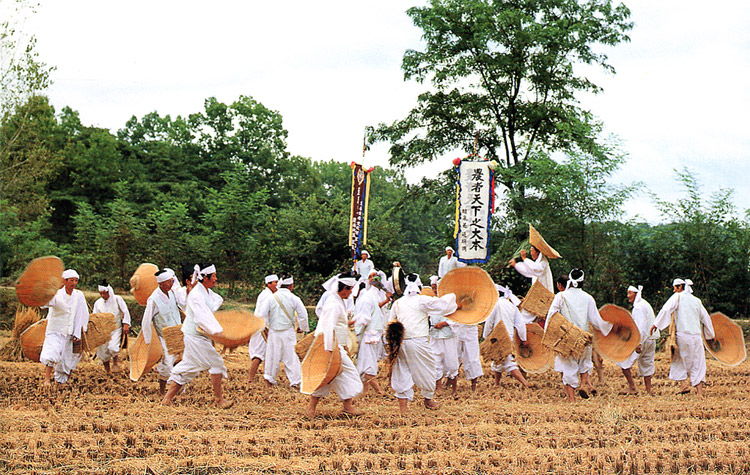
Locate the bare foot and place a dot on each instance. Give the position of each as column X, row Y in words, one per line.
column 224, row 404
column 431, row 404
column 167, row 402
column 354, row 411
column 310, row 413
column 628, row 392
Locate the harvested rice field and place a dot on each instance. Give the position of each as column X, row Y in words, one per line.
column 101, row 425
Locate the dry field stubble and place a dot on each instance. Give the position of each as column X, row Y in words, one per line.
column 100, row 425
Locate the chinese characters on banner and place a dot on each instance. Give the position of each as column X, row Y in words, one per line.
column 474, row 209
column 360, row 200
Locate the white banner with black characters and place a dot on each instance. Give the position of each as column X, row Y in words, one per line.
column 474, row 209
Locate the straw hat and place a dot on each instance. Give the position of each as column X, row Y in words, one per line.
column 729, row 344
column 40, row 281
column 618, row 345
column 32, row 340
column 319, row 366
column 143, row 357
column 238, row 326
column 143, row 283
column 497, row 346
column 428, row 291
column 475, row 289
column 100, row 328
column 535, row 358
column 303, row 345
column 536, row 240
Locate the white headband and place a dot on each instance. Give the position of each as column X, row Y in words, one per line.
column 688, row 286
column 434, row 279
column 198, row 271
column 168, row 274
column 571, row 281
column 678, row 282
column 271, row 278
column 69, row 274
column 637, row 291
column 107, row 288
column 449, row 249
column 363, row 253
column 288, row 281
column 348, row 281
column 413, row 287
column 508, row 294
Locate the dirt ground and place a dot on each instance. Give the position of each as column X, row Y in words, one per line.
column 96, row 424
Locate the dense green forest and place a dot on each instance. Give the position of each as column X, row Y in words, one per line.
column 220, row 186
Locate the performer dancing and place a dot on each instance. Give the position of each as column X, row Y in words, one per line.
column 643, row 315
column 507, row 312
column 114, row 304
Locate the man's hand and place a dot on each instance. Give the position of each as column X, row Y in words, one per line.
column 638, row 349
column 440, row 325
column 512, row 263
column 125, row 328
column 351, row 322
column 653, row 327
column 523, row 254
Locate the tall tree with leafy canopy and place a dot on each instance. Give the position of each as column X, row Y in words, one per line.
column 504, row 76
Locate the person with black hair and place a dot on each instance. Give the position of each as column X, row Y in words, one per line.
column 368, row 324
column 579, row 308
column 114, row 304
column 199, row 354
column 256, row 347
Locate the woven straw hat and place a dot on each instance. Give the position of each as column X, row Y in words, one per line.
column 475, row 288
column 303, row 345
column 40, row 281
column 618, row 345
column 238, row 326
column 564, row 338
column 497, row 346
column 729, row 344
column 428, row 291
column 536, row 358
column 32, row 340
column 143, row 357
column 143, row 283
column 536, row 240
column 100, row 328
column 319, row 366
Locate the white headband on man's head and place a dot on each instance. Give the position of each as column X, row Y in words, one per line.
column 688, row 286
column 637, row 291
column 198, row 271
column 434, row 279
column 448, row 248
column 271, row 278
column 573, row 282
column 677, row 282
column 70, row 274
column 107, row 288
column 288, row 281
column 167, row 274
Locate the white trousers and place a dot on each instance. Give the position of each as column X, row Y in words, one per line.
column 110, row 349
column 505, row 366
column 199, row 355
column 468, row 350
column 446, row 357
column 164, row 368
column 645, row 360
column 367, row 359
column 256, row 347
column 572, row 367
column 690, row 359
column 280, row 349
column 415, row 365
column 347, row 384
column 57, row 351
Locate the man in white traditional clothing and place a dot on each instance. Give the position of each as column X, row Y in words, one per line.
column 444, row 343
column 114, row 304
column 364, row 266
column 447, row 263
column 199, row 354
column 579, row 308
column 689, row 314
column 300, row 311
column 67, row 317
column 333, row 324
column 369, row 325
column 643, row 316
column 415, row 363
column 256, row 347
column 506, row 311
column 162, row 310
column 280, row 313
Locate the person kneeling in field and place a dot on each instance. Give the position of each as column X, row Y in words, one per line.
column 643, row 315
column 199, row 354
column 114, row 304
column 333, row 320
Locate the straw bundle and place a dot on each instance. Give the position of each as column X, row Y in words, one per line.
column 143, row 283
column 25, row 317
column 538, row 300
column 319, row 366
column 671, row 344
column 40, row 281
column 303, row 345
column 238, row 326
column 173, row 338
column 535, row 358
column 428, row 291
column 497, row 346
column 564, row 338
column 622, row 341
column 32, row 340
column 475, row 290
column 352, row 344
column 143, row 357
column 728, row 345
column 100, row 328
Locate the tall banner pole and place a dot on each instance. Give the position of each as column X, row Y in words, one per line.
column 359, row 207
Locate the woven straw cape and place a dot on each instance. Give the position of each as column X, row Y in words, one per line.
column 564, row 338
column 143, row 357
column 476, row 291
column 618, row 345
column 319, row 367
column 100, row 328
column 729, row 344
column 238, row 326
column 538, row 300
column 536, row 240
column 536, row 358
column 143, row 283
column 40, row 281
column 497, row 346
column 32, row 340
column 173, row 340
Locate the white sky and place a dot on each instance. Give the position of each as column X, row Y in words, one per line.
column 331, row 68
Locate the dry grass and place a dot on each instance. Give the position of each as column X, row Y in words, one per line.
column 25, row 317
column 103, row 426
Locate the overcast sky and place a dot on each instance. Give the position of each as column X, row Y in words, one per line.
column 679, row 97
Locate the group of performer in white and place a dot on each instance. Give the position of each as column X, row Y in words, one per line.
column 433, row 346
